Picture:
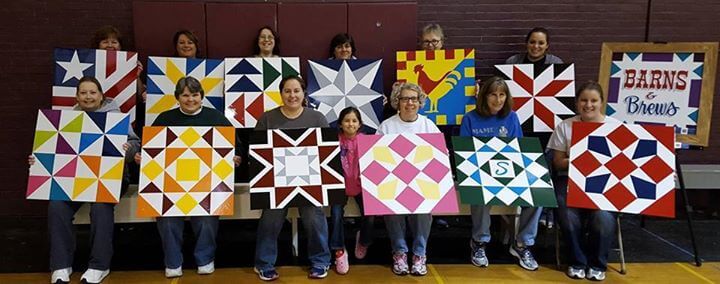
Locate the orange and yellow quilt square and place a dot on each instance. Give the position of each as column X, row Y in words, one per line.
column 186, row 171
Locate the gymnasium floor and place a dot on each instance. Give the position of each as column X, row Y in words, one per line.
column 438, row 273
column 660, row 252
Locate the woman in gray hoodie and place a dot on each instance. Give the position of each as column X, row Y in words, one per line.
column 90, row 98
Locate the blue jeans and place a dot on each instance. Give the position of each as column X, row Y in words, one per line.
column 171, row 234
column 419, row 227
column 62, row 234
column 591, row 251
column 528, row 224
column 270, row 225
column 337, row 235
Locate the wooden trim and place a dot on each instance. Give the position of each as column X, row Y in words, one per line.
column 710, row 49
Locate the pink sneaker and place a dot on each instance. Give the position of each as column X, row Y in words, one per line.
column 400, row 265
column 341, row 262
column 419, row 268
column 360, row 250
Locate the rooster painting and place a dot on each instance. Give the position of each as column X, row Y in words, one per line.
column 436, row 89
column 446, row 76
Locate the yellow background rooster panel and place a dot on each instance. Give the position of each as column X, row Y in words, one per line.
column 447, row 76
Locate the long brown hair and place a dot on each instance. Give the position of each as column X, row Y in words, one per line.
column 491, row 85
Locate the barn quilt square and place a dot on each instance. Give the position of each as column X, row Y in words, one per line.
column 622, row 168
column 252, row 86
column 503, row 171
column 543, row 96
column 115, row 70
column 186, row 171
column 295, row 168
column 406, row 174
column 448, row 78
column 164, row 73
column 78, row 156
column 336, row 84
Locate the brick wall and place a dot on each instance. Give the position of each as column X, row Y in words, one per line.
column 496, row 29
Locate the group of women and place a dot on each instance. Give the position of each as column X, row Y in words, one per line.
column 588, row 233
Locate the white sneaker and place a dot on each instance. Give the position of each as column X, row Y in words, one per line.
column 595, row 275
column 575, row 273
column 61, row 274
column 206, row 269
column 94, row 275
column 173, row 272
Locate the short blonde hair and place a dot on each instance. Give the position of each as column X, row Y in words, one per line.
column 398, row 87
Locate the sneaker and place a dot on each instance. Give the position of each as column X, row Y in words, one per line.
column 267, row 275
column 595, row 275
column 419, row 268
column 525, row 257
column 341, row 262
column 477, row 254
column 360, row 250
column 400, row 265
column 206, row 269
column 61, row 275
column 318, row 273
column 575, row 273
column 173, row 272
column 94, row 275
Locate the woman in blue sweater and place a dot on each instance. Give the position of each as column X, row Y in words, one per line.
column 493, row 117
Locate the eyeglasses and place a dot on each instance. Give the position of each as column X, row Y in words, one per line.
column 433, row 42
column 406, row 99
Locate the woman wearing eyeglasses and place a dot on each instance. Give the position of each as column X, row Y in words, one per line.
column 432, row 37
column 268, row 43
column 407, row 99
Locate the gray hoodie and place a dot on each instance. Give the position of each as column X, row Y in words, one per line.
column 108, row 105
column 519, row 58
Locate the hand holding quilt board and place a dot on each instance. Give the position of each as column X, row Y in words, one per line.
column 78, row 156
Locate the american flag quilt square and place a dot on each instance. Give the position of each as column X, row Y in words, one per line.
column 115, row 70
column 78, row 156
column 336, row 84
column 406, row 174
column 164, row 73
column 622, row 168
column 295, row 168
column 503, row 171
column 542, row 96
column 186, row 171
column 446, row 76
column 252, row 86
